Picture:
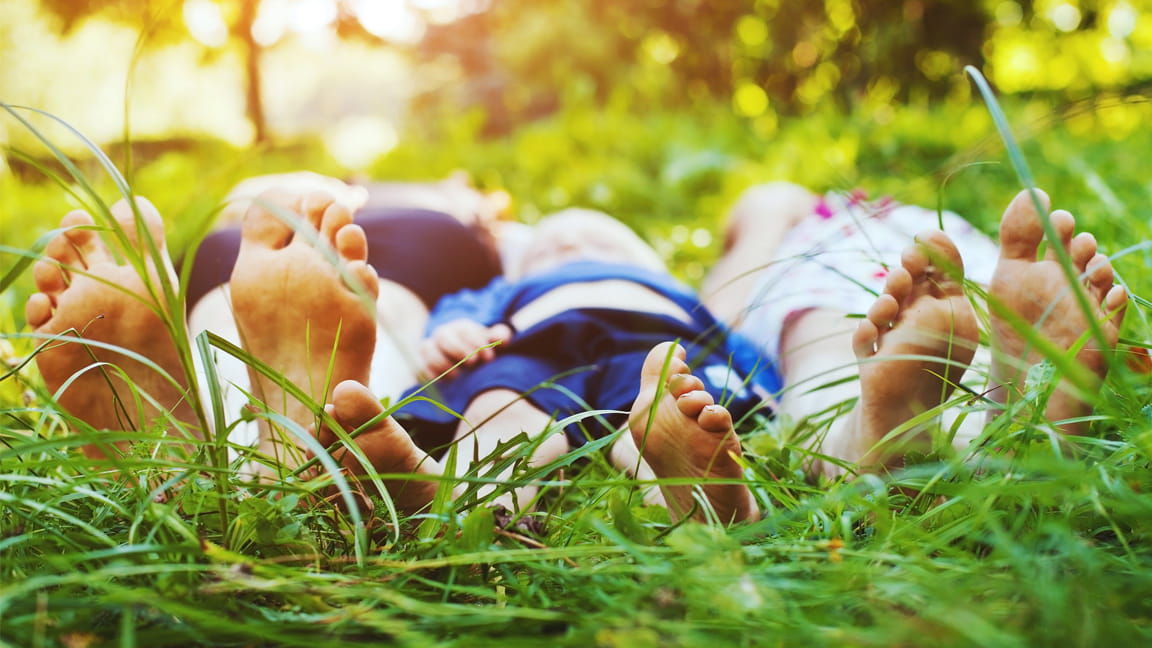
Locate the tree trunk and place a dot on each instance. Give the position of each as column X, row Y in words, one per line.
column 254, row 94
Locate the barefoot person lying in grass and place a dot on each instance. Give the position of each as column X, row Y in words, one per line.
column 283, row 280
column 299, row 313
column 920, row 333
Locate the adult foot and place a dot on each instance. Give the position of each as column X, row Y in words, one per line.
column 913, row 346
column 683, row 434
column 385, row 444
column 88, row 298
column 294, row 310
column 1038, row 293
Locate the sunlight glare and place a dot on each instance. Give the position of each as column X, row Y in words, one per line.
column 205, row 22
column 1122, row 20
column 391, row 20
column 312, row 16
column 356, row 142
column 445, row 11
column 1066, row 17
column 271, row 23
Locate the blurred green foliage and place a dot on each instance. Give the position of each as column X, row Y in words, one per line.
column 772, row 58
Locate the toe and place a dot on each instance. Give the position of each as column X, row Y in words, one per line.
column 262, row 225
column 682, row 383
column 693, row 402
column 914, row 260
column 350, row 240
column 1020, row 229
column 944, row 259
column 884, row 312
column 898, row 286
column 864, row 339
column 38, row 310
column 1083, row 250
column 1116, row 301
column 50, row 277
column 366, row 276
column 354, row 405
column 80, row 243
column 314, row 206
column 653, row 368
column 126, row 219
column 335, row 219
column 715, row 419
column 1065, row 226
column 941, row 253
column 81, row 235
column 1100, row 274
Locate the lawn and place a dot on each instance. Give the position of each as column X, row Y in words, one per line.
column 1028, row 542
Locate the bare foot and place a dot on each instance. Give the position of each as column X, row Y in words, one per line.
column 87, row 295
column 685, row 434
column 385, row 444
column 294, row 311
column 912, row 348
column 1038, row 293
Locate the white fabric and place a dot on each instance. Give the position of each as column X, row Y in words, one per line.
column 838, row 259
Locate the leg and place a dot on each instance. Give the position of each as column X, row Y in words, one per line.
column 494, row 417
column 912, row 348
column 756, row 225
column 1037, row 292
column 682, row 433
column 86, row 294
column 295, row 312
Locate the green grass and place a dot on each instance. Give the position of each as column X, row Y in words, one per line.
column 1027, row 543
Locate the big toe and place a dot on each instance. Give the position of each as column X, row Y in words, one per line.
column 1020, row 228
column 662, row 360
column 153, row 224
column 354, row 404
column 267, row 221
column 945, row 266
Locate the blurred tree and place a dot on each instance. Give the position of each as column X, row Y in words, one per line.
column 800, row 52
column 789, row 56
column 161, row 22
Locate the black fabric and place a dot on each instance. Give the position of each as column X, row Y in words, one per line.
column 430, row 253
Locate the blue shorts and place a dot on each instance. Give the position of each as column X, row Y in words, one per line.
column 581, row 360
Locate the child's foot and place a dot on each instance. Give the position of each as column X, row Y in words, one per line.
column 386, row 445
column 912, row 348
column 685, row 434
column 293, row 309
column 1038, row 293
column 86, row 294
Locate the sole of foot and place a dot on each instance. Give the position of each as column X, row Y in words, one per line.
column 682, row 433
column 913, row 346
column 1036, row 292
column 294, row 310
column 87, row 295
